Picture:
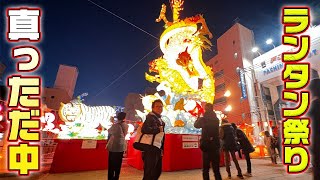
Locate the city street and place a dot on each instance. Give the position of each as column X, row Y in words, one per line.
column 262, row 169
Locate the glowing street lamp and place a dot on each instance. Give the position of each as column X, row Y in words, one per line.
column 269, row 41
column 227, row 93
column 255, row 49
column 228, row 108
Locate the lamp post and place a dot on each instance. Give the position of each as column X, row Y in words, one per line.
column 256, row 49
column 269, row 41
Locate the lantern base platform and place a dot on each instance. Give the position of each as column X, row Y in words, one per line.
column 79, row 155
column 181, row 152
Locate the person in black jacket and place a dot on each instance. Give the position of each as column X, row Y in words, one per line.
column 152, row 158
column 314, row 114
column 210, row 130
column 229, row 146
column 245, row 145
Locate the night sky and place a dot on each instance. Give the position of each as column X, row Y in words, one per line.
column 103, row 47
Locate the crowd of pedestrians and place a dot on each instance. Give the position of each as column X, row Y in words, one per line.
column 214, row 140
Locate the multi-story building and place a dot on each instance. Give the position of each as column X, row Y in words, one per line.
column 53, row 97
column 67, row 78
column 232, row 72
column 63, row 89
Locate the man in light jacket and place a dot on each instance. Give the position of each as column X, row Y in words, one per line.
column 116, row 146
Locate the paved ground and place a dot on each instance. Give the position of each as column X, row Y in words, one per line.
column 262, row 169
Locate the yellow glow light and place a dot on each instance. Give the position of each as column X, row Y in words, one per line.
column 227, row 93
column 228, row 108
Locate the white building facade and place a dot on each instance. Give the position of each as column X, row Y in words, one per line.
column 268, row 72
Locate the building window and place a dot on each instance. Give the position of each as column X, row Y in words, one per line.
column 270, row 112
column 216, row 62
column 268, row 97
column 52, row 97
column 218, row 74
column 221, row 87
column 220, row 100
column 233, row 42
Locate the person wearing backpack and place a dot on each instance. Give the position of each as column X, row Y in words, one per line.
column 246, row 147
column 116, row 146
column 209, row 143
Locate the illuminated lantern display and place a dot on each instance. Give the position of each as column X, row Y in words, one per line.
column 48, row 121
column 130, row 131
column 179, row 123
column 82, row 121
column 181, row 72
column 248, row 130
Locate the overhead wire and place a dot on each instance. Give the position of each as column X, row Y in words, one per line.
column 123, row 19
column 135, row 26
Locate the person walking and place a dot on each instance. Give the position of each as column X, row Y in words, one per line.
column 269, row 141
column 210, row 134
column 116, row 146
column 277, row 137
column 246, row 147
column 152, row 158
column 227, row 135
column 314, row 113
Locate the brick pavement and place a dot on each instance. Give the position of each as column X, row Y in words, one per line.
column 262, row 170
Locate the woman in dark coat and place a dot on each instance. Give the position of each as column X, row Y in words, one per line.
column 245, row 145
column 229, row 145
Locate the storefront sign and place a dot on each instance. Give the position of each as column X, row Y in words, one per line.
column 89, row 144
column 190, row 145
column 269, row 65
column 272, row 69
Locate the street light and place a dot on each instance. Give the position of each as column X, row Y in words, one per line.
column 255, row 49
column 227, row 93
column 238, row 69
column 269, row 41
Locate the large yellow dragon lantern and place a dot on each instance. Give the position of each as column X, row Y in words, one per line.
column 183, row 76
column 181, row 67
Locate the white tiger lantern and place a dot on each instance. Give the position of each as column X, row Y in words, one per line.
column 88, row 116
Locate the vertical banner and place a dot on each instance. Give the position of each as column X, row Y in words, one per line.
column 24, row 96
column 243, row 84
